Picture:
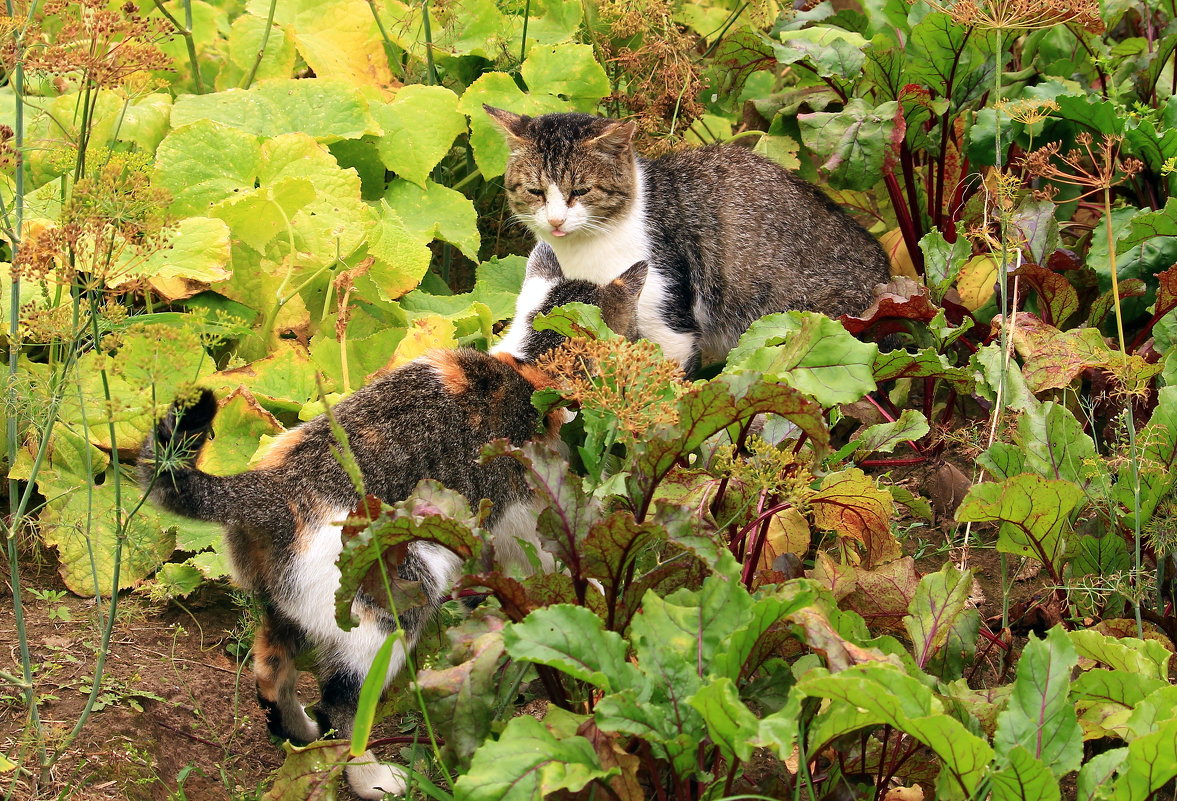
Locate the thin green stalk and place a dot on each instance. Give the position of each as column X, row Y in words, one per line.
column 1003, row 299
column 526, row 18
column 12, row 430
column 431, row 74
column 120, row 540
column 261, row 51
column 189, row 43
column 389, row 45
column 1134, row 456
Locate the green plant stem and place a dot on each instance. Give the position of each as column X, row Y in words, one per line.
column 526, row 18
column 1134, row 456
column 261, row 51
column 189, row 43
column 120, row 539
column 12, row 429
column 389, row 45
column 431, row 73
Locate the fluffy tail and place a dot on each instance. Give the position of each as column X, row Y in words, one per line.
column 167, row 463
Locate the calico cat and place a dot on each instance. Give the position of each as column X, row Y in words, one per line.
column 427, row 419
column 729, row 236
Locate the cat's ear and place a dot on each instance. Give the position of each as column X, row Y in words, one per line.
column 513, row 126
column 632, row 280
column 616, row 139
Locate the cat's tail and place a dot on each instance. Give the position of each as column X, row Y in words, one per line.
column 167, row 463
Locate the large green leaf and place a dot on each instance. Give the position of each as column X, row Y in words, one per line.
column 1034, row 513
column 325, row 109
column 81, row 525
column 830, row 51
column 528, row 762
column 1147, row 225
column 206, row 162
column 420, row 126
column 939, row 620
column 810, row 352
column 850, row 143
column 1023, row 777
column 872, row 694
column 1056, row 446
column 1151, row 763
column 566, row 70
column 730, row 724
column 572, row 639
column 1039, row 716
column 437, row 212
column 245, row 43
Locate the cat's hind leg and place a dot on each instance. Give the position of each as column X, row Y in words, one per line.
column 347, row 657
column 276, row 643
column 342, row 676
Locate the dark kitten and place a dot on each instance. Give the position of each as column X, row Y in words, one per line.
column 427, row 419
column 729, row 236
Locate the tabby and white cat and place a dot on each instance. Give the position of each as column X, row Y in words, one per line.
column 729, row 236
column 427, row 419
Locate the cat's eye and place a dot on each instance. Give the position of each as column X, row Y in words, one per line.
column 584, row 190
column 536, row 192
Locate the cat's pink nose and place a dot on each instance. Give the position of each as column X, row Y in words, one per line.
column 555, row 222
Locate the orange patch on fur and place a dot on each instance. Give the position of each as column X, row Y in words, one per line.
column 279, row 450
column 529, row 372
column 540, row 380
column 449, row 371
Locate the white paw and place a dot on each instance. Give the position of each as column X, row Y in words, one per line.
column 370, row 779
column 302, row 725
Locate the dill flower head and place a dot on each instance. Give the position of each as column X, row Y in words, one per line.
column 630, row 380
column 1023, row 14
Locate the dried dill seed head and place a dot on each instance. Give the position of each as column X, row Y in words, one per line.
column 1091, row 169
column 41, row 325
column 103, row 46
column 630, row 380
column 664, row 80
column 1023, row 14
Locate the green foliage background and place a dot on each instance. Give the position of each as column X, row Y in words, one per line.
column 280, row 199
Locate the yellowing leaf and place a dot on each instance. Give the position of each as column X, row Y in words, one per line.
column 239, row 425
column 337, row 38
column 896, row 247
column 424, row 334
column 851, row 505
column 788, row 532
column 197, row 255
column 976, row 281
column 281, row 382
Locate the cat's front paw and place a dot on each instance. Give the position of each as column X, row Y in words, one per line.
column 370, row 778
